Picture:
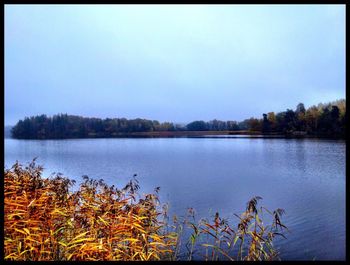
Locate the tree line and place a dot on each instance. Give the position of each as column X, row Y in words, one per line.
column 322, row 120
column 325, row 119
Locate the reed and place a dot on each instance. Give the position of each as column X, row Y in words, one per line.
column 45, row 220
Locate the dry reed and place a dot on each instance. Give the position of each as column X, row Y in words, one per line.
column 45, row 220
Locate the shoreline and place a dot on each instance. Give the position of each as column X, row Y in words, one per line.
column 197, row 134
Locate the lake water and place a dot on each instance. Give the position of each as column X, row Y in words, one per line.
column 306, row 177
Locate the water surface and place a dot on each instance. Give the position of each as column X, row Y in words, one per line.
column 306, row 177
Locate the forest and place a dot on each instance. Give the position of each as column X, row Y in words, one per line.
column 324, row 120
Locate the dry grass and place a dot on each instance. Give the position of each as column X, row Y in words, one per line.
column 45, row 220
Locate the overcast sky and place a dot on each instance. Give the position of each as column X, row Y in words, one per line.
column 171, row 63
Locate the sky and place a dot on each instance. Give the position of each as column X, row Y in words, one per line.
column 174, row 63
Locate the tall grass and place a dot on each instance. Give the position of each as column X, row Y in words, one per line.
column 46, row 220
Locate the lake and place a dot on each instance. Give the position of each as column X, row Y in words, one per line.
column 306, row 177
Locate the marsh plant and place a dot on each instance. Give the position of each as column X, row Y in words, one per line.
column 46, row 220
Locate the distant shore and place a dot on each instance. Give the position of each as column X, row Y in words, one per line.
column 198, row 134
column 215, row 134
column 326, row 120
